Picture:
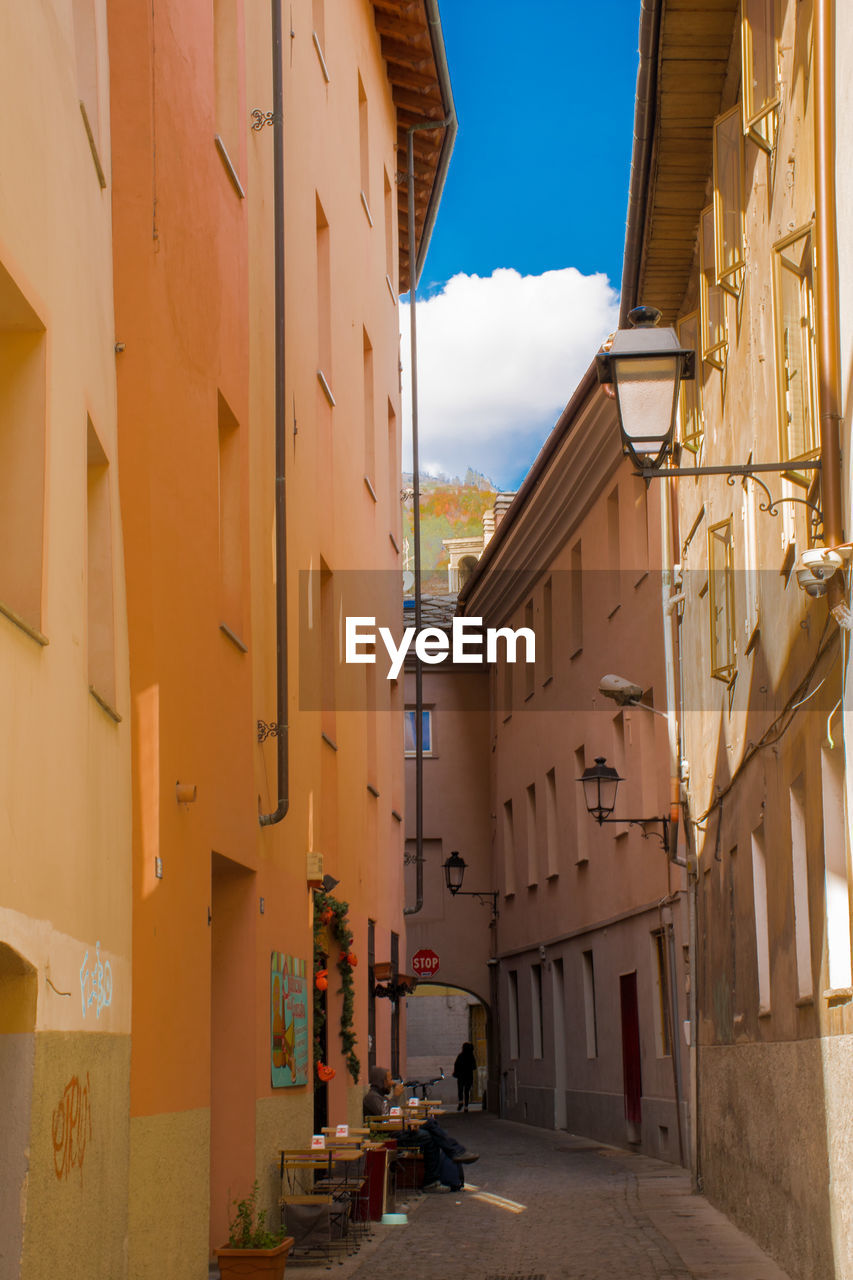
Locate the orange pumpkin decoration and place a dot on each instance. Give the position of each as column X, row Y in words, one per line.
column 327, row 916
column 321, row 979
column 352, row 959
column 325, row 1073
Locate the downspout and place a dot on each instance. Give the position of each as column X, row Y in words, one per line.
column 416, row 262
column 828, row 343
column 268, row 819
column 416, row 512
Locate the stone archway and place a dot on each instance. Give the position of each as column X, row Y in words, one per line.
column 439, row 1019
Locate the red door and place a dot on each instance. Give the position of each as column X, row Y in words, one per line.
column 631, row 1072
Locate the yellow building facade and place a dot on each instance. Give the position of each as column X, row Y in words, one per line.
column 65, row 905
column 731, row 236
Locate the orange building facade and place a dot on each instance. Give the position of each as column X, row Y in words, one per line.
column 256, row 768
column 65, row 893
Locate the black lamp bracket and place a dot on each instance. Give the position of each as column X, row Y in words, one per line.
column 662, row 835
column 748, row 471
column 486, row 899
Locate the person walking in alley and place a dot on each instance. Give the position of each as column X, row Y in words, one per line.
column 463, row 1069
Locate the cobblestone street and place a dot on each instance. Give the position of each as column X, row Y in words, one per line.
column 575, row 1211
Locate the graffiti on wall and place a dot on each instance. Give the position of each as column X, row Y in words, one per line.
column 71, row 1128
column 96, row 983
column 288, row 1020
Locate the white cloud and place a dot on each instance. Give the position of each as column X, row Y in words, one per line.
column 498, row 359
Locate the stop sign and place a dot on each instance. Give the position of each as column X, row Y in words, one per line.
column 425, row 963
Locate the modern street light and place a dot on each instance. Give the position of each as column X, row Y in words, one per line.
column 600, row 784
column 454, row 874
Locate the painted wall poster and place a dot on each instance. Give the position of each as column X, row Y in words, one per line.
column 288, row 1020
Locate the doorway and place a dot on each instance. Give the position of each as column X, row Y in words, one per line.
column 232, row 1038
column 631, row 1064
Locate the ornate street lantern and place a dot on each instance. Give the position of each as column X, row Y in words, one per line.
column 600, row 783
column 645, row 365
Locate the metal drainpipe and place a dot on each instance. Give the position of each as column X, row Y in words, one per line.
column 416, row 513
column 828, row 346
column 268, row 819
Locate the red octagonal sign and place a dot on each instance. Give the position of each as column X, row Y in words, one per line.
column 425, row 963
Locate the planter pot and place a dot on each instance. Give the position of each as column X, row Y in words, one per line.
column 235, row 1263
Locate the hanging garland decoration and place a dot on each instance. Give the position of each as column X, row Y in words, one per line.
column 331, row 914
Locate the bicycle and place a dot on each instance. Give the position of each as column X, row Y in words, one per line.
column 424, row 1085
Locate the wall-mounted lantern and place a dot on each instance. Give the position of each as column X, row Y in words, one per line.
column 454, row 874
column 600, row 784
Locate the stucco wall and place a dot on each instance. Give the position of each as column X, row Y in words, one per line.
column 169, row 1195
column 78, row 1153
column 763, row 1124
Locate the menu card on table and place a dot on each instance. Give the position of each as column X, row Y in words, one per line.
column 318, row 1142
column 342, row 1131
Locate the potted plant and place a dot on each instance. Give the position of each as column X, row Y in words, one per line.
column 252, row 1250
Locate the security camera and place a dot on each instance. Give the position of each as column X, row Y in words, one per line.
column 620, row 690
column 815, row 568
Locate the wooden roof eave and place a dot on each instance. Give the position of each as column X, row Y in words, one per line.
column 413, row 47
column 684, row 58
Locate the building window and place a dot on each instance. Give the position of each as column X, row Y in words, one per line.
column 324, row 304
column 371, row 998
column 230, row 518
column 800, row 870
column 509, row 849
column 728, row 200
column 795, row 349
column 762, row 928
column 529, row 667
column 390, row 273
column 835, row 861
column 536, row 1008
column 86, row 49
column 760, row 77
column 22, row 456
column 661, row 993
column 532, row 859
column 364, row 150
column 614, row 558
column 99, row 572
column 552, row 828
column 576, row 601
column 547, row 631
column 512, row 999
column 721, row 596
column 395, row 1009
column 328, row 651
column 318, row 33
column 692, row 427
column 712, row 301
column 226, row 46
column 369, row 417
column 582, row 822
column 589, row 1004
column 409, row 722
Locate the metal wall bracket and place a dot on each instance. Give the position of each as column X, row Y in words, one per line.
column 261, row 118
column 269, row 730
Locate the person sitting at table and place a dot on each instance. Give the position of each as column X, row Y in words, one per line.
column 443, row 1156
column 377, row 1099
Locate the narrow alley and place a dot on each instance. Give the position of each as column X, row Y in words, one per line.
column 541, row 1205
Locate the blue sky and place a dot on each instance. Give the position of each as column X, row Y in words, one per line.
column 533, row 214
